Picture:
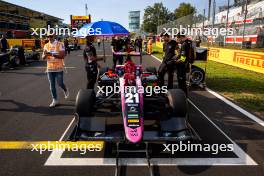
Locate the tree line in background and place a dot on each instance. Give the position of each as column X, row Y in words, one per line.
column 158, row 14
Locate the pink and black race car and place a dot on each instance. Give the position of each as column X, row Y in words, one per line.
column 131, row 111
column 145, row 112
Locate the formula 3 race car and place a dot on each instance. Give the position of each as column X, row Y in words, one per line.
column 148, row 113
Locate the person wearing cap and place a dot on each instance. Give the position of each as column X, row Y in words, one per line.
column 91, row 66
column 183, row 59
column 168, row 62
column 54, row 53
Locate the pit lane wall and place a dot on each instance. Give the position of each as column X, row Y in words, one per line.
column 21, row 42
column 253, row 61
column 28, row 44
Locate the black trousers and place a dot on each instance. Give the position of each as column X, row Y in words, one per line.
column 22, row 59
column 67, row 50
column 117, row 58
column 91, row 80
column 181, row 75
column 163, row 69
column 181, row 70
column 140, row 48
column 91, row 70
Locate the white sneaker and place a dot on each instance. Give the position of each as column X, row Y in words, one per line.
column 66, row 94
column 54, row 103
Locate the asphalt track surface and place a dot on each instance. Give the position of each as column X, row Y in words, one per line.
column 25, row 116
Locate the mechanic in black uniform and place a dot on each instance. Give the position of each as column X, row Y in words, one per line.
column 3, row 44
column 168, row 62
column 183, row 60
column 117, row 46
column 91, row 66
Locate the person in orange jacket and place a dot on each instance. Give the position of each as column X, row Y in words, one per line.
column 149, row 46
column 54, row 52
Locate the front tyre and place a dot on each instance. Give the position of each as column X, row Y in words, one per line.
column 197, row 75
column 175, row 123
column 177, row 103
column 84, row 104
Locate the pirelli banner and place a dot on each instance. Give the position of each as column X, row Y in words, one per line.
column 253, row 61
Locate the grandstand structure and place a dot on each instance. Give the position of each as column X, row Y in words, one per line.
column 16, row 21
column 236, row 14
column 250, row 28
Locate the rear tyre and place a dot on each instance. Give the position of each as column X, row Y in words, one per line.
column 84, row 104
column 197, row 75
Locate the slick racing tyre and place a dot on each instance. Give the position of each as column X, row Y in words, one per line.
column 84, row 104
column 176, row 122
column 197, row 75
column 151, row 70
column 177, row 103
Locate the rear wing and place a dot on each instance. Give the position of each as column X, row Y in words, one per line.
column 133, row 53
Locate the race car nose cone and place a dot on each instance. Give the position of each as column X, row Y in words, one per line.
column 134, row 135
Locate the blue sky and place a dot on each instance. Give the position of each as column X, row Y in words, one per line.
column 112, row 10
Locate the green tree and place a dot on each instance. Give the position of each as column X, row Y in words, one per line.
column 199, row 18
column 183, row 10
column 154, row 16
